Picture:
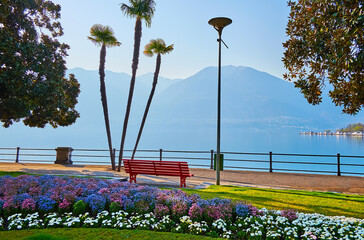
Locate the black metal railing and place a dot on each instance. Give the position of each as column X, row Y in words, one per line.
column 273, row 162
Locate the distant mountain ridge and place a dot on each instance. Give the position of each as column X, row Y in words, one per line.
column 183, row 112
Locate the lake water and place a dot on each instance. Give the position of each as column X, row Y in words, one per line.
column 231, row 141
column 287, row 143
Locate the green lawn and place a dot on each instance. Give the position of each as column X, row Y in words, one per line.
column 303, row 201
column 13, row 174
column 93, row 233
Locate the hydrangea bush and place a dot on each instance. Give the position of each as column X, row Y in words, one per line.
column 32, row 202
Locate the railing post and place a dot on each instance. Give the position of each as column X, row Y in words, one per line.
column 212, row 159
column 338, row 165
column 160, row 154
column 270, row 162
column 17, row 155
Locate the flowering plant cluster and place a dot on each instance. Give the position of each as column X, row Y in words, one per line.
column 54, row 202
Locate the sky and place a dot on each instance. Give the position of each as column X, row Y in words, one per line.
column 254, row 38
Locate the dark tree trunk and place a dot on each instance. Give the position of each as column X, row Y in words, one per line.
column 155, row 81
column 104, row 102
column 137, row 38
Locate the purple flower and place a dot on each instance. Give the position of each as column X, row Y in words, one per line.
column 179, row 209
column 290, row 214
column 195, row 212
column 160, row 211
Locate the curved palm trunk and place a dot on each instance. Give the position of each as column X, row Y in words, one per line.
column 155, row 81
column 137, row 38
column 104, row 102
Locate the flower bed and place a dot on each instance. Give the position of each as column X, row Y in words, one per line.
column 53, row 202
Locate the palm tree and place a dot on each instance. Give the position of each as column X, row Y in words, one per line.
column 104, row 36
column 141, row 10
column 155, row 46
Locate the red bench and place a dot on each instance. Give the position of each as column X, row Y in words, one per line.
column 158, row 168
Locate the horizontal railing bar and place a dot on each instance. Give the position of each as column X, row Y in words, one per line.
column 156, row 151
column 38, row 149
column 349, row 156
column 265, row 154
column 302, row 155
column 177, row 151
column 1, row 148
column 8, row 154
column 78, row 155
column 189, row 158
column 33, row 154
column 243, row 160
column 245, row 167
column 91, row 163
column 352, row 164
column 35, row 161
column 89, row 150
column 317, row 163
column 298, row 170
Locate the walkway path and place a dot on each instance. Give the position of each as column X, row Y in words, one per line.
column 205, row 177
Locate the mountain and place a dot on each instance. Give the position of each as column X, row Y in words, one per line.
column 183, row 112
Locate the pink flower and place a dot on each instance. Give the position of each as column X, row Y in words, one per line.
column 195, row 212
column 104, row 191
column 28, row 204
column 64, row 204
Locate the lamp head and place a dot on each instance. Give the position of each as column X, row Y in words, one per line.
column 220, row 22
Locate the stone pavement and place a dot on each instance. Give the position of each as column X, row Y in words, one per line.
column 206, row 177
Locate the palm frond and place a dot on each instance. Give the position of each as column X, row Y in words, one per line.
column 103, row 35
column 143, row 9
column 157, row 46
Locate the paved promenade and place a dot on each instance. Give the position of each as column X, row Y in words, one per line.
column 205, row 177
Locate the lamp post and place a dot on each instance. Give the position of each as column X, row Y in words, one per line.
column 219, row 23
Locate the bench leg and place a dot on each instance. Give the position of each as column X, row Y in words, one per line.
column 132, row 178
column 183, row 182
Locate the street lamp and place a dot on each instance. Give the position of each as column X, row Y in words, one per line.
column 219, row 23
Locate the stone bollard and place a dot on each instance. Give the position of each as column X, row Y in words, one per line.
column 63, row 155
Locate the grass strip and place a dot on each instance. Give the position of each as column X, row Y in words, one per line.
column 94, row 234
column 326, row 203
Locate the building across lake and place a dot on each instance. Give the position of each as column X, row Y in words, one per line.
column 353, row 134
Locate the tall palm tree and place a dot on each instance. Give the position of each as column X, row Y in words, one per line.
column 141, row 10
column 104, row 36
column 155, row 46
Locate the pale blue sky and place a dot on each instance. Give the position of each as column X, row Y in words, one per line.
column 254, row 38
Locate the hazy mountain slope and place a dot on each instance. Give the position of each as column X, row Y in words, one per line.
column 183, row 113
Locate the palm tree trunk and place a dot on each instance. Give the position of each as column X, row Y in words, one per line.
column 137, row 38
column 155, row 81
column 104, row 102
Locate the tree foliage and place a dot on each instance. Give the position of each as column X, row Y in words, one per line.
column 33, row 86
column 325, row 46
column 356, row 127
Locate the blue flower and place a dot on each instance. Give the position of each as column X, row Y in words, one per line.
column 242, row 210
column 96, row 202
column 45, row 203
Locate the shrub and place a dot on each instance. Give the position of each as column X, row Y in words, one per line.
column 114, row 207
column 79, row 208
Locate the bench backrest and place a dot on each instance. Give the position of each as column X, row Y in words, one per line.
column 166, row 168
